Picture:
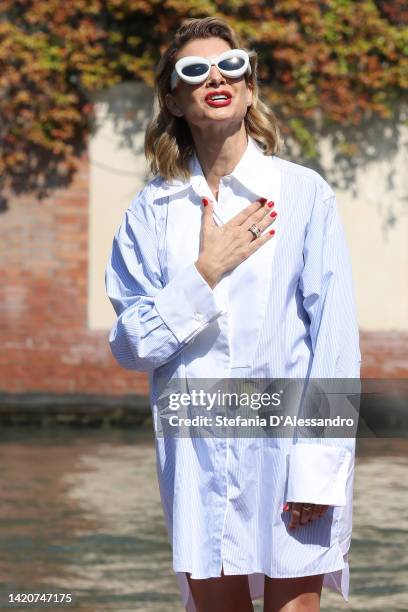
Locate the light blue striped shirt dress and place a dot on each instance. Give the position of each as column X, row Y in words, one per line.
column 288, row 311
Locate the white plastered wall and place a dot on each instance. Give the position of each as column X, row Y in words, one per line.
column 374, row 211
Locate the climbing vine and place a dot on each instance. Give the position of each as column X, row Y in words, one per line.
column 323, row 65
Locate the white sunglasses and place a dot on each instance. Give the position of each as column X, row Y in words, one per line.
column 193, row 69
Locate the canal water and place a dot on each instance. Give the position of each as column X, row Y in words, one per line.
column 80, row 514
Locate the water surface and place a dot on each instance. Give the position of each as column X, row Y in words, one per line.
column 80, row 513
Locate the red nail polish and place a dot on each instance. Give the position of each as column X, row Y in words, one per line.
column 272, row 232
column 205, row 201
column 273, row 213
column 262, row 200
column 270, row 204
column 286, row 507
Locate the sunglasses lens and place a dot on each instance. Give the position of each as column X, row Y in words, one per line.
column 232, row 63
column 194, row 70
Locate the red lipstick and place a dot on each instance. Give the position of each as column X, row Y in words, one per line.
column 218, row 98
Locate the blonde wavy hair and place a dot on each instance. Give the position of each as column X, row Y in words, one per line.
column 168, row 142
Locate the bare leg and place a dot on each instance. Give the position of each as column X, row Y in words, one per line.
column 221, row 594
column 293, row 594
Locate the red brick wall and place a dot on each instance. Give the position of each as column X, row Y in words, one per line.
column 43, row 299
column 384, row 354
column 43, row 302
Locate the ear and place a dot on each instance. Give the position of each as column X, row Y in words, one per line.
column 172, row 105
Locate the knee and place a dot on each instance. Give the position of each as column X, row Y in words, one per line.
column 303, row 603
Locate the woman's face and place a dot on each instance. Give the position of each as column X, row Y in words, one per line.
column 192, row 102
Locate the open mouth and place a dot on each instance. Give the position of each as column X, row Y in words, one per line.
column 219, row 98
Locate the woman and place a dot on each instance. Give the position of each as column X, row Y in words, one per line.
column 232, row 263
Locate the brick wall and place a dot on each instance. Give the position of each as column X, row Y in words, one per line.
column 43, row 297
column 384, row 354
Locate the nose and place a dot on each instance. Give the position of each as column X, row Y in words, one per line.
column 215, row 77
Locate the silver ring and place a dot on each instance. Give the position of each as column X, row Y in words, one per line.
column 254, row 229
column 307, row 508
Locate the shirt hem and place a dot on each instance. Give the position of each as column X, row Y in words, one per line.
column 335, row 579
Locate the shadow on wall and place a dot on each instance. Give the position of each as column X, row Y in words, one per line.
column 129, row 106
column 378, row 140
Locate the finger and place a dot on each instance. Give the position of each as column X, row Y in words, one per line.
column 261, row 214
column 267, row 220
column 256, row 243
column 208, row 209
column 295, row 516
column 242, row 216
column 323, row 510
column 262, row 218
column 306, row 514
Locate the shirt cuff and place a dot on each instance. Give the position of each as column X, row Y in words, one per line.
column 318, row 474
column 187, row 304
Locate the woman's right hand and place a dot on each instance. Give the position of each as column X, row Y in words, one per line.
column 223, row 248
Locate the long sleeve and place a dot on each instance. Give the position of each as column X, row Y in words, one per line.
column 319, row 466
column 154, row 322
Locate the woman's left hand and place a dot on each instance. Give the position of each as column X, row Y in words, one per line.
column 302, row 513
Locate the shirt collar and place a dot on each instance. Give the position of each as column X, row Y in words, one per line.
column 255, row 171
